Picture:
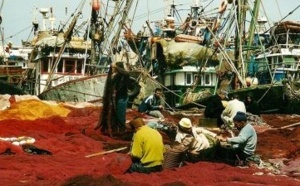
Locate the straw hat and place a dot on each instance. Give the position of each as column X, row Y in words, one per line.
column 185, row 123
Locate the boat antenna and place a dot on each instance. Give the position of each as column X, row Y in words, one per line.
column 290, row 13
column 174, row 12
column 1, row 11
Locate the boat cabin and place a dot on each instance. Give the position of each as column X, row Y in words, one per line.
column 282, row 59
column 178, row 81
column 70, row 67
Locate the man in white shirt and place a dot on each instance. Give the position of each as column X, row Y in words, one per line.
column 233, row 106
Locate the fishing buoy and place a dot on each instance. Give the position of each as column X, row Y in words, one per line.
column 223, row 6
column 96, row 5
column 193, row 24
column 254, row 81
column 248, row 81
column 216, row 25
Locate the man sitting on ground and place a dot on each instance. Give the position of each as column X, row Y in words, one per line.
column 152, row 105
column 147, row 148
column 193, row 139
column 242, row 146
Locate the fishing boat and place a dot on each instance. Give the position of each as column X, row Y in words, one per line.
column 13, row 64
column 72, row 68
column 190, row 59
column 178, row 55
column 262, row 62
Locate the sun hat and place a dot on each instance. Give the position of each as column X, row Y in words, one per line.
column 185, row 123
column 240, row 116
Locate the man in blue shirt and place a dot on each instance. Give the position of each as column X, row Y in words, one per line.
column 153, row 104
column 242, row 146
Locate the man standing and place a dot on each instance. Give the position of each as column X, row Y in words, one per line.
column 152, row 105
column 120, row 80
column 233, row 106
column 243, row 145
column 113, row 116
column 214, row 107
column 147, row 148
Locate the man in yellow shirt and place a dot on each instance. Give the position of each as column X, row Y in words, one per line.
column 147, row 148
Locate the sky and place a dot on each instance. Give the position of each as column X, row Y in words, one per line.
column 17, row 15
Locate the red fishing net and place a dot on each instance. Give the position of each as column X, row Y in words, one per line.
column 68, row 134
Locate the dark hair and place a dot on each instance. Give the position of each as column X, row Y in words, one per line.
column 235, row 96
column 158, row 90
column 120, row 64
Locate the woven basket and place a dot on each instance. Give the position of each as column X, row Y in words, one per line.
column 173, row 158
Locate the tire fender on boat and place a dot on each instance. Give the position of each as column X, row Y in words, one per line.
column 193, row 23
column 223, row 6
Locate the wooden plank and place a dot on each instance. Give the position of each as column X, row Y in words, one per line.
column 291, row 125
column 105, row 152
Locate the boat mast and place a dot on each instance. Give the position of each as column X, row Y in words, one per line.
column 95, row 32
column 239, row 38
column 118, row 12
column 253, row 21
column 121, row 23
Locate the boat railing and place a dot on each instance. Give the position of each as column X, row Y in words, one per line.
column 279, row 48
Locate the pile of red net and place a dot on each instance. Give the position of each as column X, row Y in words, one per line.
column 71, row 138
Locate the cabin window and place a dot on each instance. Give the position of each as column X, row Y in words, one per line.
column 289, row 61
column 79, row 66
column 168, row 80
column 189, row 78
column 60, row 66
column 45, row 66
column 180, row 79
column 197, row 79
column 207, row 79
column 70, row 66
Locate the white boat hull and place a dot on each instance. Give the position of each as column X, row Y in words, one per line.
column 87, row 89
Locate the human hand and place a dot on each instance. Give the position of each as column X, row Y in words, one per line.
column 221, row 138
column 113, row 65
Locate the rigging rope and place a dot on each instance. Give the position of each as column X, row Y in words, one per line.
column 2, row 3
column 278, row 9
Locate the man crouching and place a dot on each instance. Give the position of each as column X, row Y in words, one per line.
column 242, row 147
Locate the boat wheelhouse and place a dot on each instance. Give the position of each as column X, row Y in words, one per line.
column 179, row 81
column 281, row 59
